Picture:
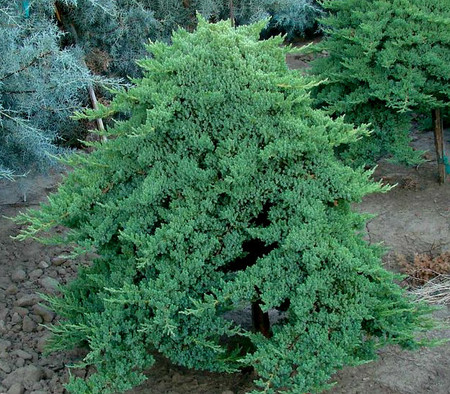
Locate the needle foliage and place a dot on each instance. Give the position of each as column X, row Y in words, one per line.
column 45, row 46
column 113, row 33
column 218, row 187
column 385, row 59
column 40, row 87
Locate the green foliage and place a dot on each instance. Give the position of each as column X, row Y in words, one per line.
column 40, row 87
column 113, row 33
column 219, row 187
column 385, row 59
column 294, row 17
column 29, row 109
column 42, row 84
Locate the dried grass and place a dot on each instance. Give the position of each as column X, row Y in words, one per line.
column 428, row 277
column 436, row 291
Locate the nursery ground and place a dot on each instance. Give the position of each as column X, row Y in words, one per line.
column 414, row 217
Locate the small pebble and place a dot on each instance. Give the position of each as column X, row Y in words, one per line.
column 36, row 274
column 37, row 386
column 28, row 300
column 4, row 311
column 16, row 388
column 46, row 314
column 16, row 318
column 11, row 290
column 37, row 319
column 28, row 325
column 21, row 311
column 4, row 366
column 23, row 354
column 18, row 275
column 49, row 284
column 27, row 376
column 43, row 264
column 58, row 261
column 20, row 362
column 41, row 343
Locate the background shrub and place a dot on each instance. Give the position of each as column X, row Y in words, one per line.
column 42, row 82
column 384, row 60
column 40, row 87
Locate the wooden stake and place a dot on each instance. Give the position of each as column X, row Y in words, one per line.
column 233, row 23
column 438, row 123
column 94, row 103
column 92, row 96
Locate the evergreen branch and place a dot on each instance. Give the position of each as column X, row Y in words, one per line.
column 20, row 91
column 12, row 18
column 23, row 123
column 8, row 116
column 238, row 203
column 36, row 59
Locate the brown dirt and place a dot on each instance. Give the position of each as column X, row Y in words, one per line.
column 301, row 61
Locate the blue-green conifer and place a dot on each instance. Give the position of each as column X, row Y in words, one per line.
column 45, row 45
column 218, row 188
column 41, row 85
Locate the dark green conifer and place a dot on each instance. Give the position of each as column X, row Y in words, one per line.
column 384, row 59
column 218, row 188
